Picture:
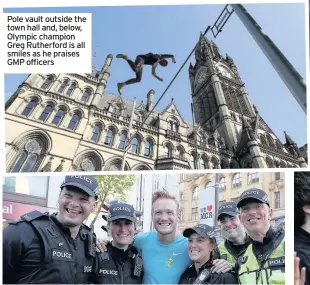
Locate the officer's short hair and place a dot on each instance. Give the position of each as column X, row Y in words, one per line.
column 164, row 194
column 301, row 197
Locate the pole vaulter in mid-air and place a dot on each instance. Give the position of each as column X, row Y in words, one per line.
column 137, row 66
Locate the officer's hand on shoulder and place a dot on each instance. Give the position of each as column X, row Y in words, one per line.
column 221, row 266
column 101, row 245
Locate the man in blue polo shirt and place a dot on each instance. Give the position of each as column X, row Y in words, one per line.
column 164, row 251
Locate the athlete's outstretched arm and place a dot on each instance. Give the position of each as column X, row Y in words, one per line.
column 154, row 68
column 168, row 56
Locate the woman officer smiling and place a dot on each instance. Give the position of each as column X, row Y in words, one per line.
column 201, row 246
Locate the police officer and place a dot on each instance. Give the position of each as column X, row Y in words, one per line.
column 121, row 263
column 264, row 260
column 201, row 246
column 49, row 249
column 236, row 239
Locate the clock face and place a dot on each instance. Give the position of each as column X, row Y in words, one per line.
column 225, row 72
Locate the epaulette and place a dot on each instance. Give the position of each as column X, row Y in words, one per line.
column 15, row 222
column 33, row 216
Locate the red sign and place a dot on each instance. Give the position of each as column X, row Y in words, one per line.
column 13, row 211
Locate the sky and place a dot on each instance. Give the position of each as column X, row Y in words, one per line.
column 175, row 29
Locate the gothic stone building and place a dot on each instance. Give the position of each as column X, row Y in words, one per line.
column 70, row 122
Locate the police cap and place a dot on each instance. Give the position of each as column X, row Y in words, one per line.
column 201, row 229
column 253, row 195
column 121, row 211
column 86, row 183
column 229, row 208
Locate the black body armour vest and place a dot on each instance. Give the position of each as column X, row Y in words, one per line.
column 60, row 263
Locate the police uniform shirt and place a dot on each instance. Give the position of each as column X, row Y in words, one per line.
column 116, row 266
column 190, row 275
column 23, row 251
column 268, row 243
column 20, row 240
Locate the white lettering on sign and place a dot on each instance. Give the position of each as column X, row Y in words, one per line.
column 7, row 209
column 206, row 215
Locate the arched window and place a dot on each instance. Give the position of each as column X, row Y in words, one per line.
column 96, row 133
column 135, row 145
column 262, row 139
column 222, row 184
column 270, row 140
column 203, row 163
column 63, row 86
column 148, row 148
column 195, row 193
column 253, row 177
column 46, row 113
column 58, row 117
column 208, row 186
column 25, row 162
column 214, row 164
column 28, row 157
column 179, row 152
column 48, row 81
column 88, row 161
column 237, row 180
column 109, row 137
column 85, row 95
column 173, row 125
column 74, row 122
column 71, row 89
column 122, row 140
column 168, row 150
column 30, row 107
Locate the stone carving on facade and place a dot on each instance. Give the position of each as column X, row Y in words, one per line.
column 33, row 146
column 60, row 167
column 48, row 165
column 87, row 165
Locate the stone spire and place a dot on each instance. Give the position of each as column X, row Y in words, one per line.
column 103, row 80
